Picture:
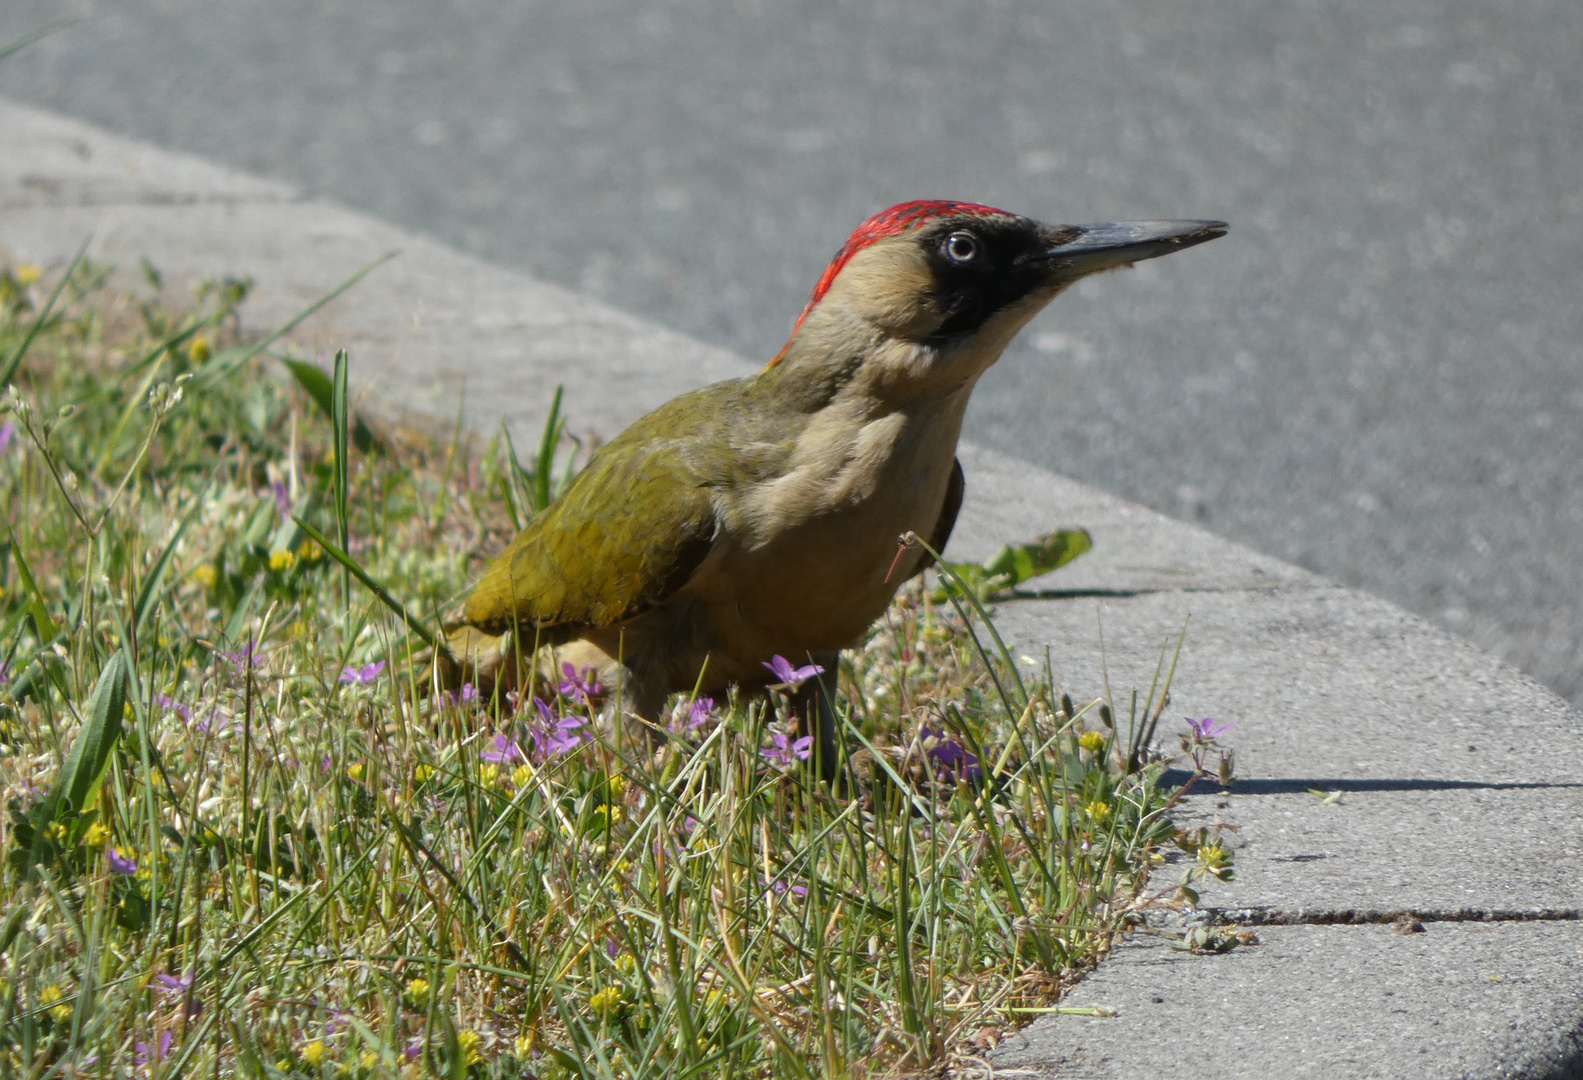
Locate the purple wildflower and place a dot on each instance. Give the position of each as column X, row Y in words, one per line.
column 504, row 751
column 1208, row 728
column 172, row 984
column 219, row 719
column 791, row 677
column 145, row 1054
column 780, row 888
column 564, row 737
column 465, row 695
column 175, row 986
column 700, row 712
column 562, row 732
column 786, row 749
column 243, row 658
column 952, row 759
column 282, row 498
column 7, row 435
column 612, row 948
column 5, row 671
column 326, row 763
column 120, row 864
column 579, row 686
column 362, row 676
column 170, row 704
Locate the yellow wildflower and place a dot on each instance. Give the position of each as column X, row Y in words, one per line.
column 471, row 1044
column 199, row 349
column 524, row 1044
column 309, row 551
column 421, row 773
column 617, row 785
column 206, row 576
column 1092, row 741
column 418, row 991
column 626, row 963
column 1213, row 856
column 95, row 836
column 521, row 776
column 355, row 772
column 282, row 561
column 368, row 1060
column 605, row 1001
column 49, row 997
column 28, row 274
column 313, row 1053
column 1098, row 811
column 488, row 774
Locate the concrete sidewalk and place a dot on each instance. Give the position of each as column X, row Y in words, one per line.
column 1461, row 791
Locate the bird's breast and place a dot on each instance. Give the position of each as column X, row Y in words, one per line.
column 809, row 559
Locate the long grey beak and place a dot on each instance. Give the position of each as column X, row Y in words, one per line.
column 1120, row 243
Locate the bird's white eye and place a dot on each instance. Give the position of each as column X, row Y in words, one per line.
column 960, row 247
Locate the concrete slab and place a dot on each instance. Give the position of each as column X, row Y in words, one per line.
column 1333, row 690
column 1338, row 1003
column 57, row 161
column 427, row 330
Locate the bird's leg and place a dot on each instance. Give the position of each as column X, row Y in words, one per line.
column 814, row 705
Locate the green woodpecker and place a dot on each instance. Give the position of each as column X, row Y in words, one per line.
column 759, row 517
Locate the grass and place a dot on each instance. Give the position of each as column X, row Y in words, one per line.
column 247, row 835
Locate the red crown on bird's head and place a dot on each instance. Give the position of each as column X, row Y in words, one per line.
column 897, row 219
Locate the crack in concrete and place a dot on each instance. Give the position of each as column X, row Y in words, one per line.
column 1298, row 785
column 1267, row 916
column 152, row 199
column 1126, row 594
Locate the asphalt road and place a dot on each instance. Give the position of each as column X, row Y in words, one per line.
column 1376, row 375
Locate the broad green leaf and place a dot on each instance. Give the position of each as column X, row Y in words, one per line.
column 316, row 384
column 90, row 753
column 1022, row 562
column 1014, row 564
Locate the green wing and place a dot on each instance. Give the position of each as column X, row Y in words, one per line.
column 631, row 530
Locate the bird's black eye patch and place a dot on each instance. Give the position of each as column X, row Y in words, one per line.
column 979, row 267
column 961, row 247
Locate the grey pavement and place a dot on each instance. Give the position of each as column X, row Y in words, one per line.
column 1375, row 376
column 1460, row 799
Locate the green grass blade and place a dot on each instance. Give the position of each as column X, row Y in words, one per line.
column 544, row 462
column 35, row 36
column 156, row 574
column 396, row 606
column 224, row 364
column 9, row 365
column 343, row 526
column 317, row 385
column 37, row 606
